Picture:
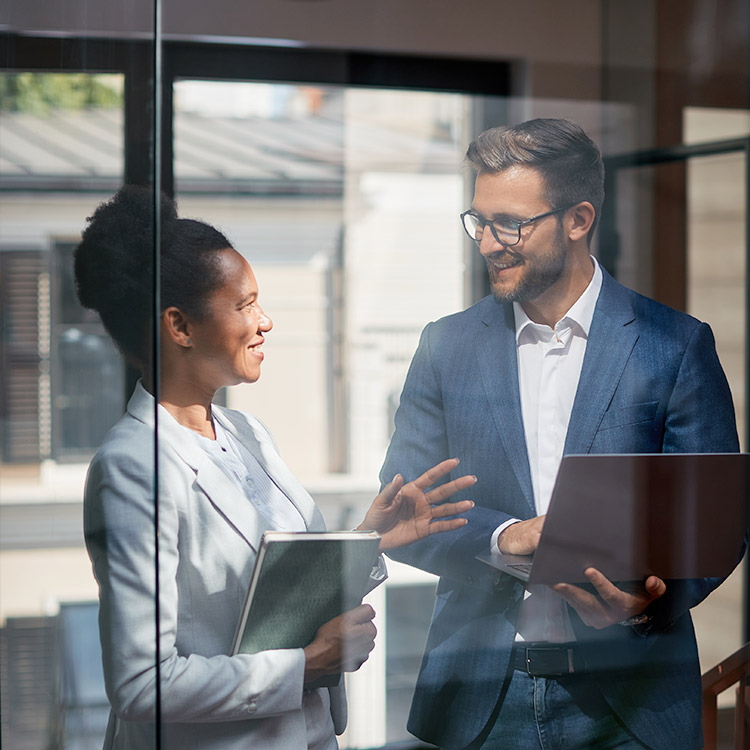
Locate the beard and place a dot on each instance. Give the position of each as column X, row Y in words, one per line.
column 538, row 274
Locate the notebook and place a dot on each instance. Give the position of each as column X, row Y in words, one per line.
column 300, row 581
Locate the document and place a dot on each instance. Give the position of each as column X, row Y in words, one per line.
column 299, row 582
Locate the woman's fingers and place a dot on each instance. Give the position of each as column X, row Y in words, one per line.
column 438, row 527
column 452, row 509
column 436, row 472
column 445, row 491
column 389, row 493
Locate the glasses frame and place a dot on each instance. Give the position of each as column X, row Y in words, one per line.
column 512, row 222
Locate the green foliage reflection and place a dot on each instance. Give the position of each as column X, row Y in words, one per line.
column 41, row 93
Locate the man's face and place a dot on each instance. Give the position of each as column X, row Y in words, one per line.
column 526, row 271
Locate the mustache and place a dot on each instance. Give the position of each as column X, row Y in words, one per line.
column 501, row 256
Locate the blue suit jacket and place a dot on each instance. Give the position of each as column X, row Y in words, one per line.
column 651, row 382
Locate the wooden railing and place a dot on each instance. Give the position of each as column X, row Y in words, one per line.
column 734, row 669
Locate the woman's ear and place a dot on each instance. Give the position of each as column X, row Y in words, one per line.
column 176, row 327
column 582, row 215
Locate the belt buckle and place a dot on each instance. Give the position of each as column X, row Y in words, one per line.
column 542, row 660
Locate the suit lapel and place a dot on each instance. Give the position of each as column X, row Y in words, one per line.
column 498, row 365
column 612, row 337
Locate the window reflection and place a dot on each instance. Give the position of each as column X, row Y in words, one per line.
column 61, row 151
column 345, row 202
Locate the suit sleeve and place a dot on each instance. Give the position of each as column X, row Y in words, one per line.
column 699, row 419
column 120, row 536
column 419, row 442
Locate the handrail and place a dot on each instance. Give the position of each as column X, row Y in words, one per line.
column 735, row 668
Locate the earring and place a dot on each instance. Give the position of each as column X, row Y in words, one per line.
column 189, row 341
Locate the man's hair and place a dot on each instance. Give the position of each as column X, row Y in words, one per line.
column 567, row 159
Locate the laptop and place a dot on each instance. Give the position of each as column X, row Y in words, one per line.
column 673, row 515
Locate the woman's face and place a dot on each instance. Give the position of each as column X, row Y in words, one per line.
column 227, row 343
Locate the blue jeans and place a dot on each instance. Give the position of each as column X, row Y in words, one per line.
column 560, row 713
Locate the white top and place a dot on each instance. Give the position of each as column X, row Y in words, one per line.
column 549, row 367
column 240, row 465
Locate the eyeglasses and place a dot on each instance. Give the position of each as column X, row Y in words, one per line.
column 505, row 230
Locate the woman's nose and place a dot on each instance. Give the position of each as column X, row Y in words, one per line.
column 265, row 323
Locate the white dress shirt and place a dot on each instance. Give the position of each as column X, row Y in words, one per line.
column 549, row 367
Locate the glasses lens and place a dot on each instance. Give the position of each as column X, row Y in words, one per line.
column 505, row 232
column 473, row 227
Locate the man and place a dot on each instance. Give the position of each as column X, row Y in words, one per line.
column 559, row 359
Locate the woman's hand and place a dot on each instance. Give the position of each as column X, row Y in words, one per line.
column 342, row 644
column 404, row 513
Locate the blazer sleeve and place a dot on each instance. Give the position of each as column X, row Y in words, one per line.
column 120, row 536
column 699, row 419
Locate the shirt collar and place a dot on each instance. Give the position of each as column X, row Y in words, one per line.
column 581, row 313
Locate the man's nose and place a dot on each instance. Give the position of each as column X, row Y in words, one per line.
column 489, row 244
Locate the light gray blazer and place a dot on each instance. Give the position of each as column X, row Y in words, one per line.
column 208, row 538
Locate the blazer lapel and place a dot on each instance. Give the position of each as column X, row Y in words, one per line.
column 226, row 497
column 261, row 446
column 612, row 337
column 498, row 365
column 222, row 492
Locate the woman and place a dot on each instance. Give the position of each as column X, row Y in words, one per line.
column 221, row 483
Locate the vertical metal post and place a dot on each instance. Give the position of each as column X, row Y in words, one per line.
column 746, row 571
column 156, row 309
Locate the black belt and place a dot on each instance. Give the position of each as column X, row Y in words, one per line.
column 547, row 659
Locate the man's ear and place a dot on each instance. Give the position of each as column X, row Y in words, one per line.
column 176, row 326
column 580, row 220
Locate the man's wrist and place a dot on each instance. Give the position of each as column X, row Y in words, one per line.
column 495, row 540
column 641, row 619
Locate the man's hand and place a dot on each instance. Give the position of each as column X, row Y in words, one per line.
column 521, row 538
column 342, row 644
column 612, row 605
column 404, row 513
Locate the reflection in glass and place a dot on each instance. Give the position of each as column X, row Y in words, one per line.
column 344, row 201
column 61, row 384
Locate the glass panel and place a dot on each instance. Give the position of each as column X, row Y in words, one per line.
column 345, row 201
column 717, row 226
column 715, row 205
column 62, row 145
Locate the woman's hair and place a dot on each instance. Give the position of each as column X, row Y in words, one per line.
column 114, row 266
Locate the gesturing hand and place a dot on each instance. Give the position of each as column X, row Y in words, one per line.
column 612, row 604
column 404, row 513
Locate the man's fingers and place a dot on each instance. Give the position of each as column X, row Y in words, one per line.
column 575, row 595
column 612, row 603
column 590, row 609
column 655, row 587
column 613, row 596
